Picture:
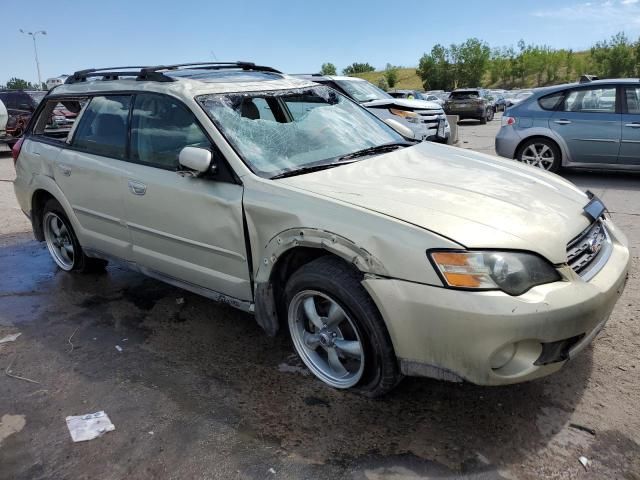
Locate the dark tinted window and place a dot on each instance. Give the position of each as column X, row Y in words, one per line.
column 103, row 126
column 466, row 95
column 160, row 128
column 551, row 102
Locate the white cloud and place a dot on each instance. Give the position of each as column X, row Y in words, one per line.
column 604, row 17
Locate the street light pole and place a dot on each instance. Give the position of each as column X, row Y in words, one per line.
column 35, row 50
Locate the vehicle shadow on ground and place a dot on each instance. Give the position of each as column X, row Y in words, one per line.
column 215, row 364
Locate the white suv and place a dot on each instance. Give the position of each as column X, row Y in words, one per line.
column 284, row 198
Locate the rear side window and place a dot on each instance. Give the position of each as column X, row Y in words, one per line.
column 103, row 127
column 160, row 128
column 551, row 102
column 633, row 99
column 591, row 100
column 57, row 119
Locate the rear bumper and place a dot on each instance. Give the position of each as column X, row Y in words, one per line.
column 457, row 335
column 507, row 141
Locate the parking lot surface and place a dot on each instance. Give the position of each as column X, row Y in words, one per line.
column 196, row 390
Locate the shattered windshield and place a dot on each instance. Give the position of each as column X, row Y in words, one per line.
column 280, row 131
column 363, row 91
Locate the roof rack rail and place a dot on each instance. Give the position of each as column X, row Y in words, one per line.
column 157, row 73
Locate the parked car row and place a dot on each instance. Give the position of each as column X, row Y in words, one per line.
column 309, row 207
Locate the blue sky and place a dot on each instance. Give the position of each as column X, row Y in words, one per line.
column 292, row 36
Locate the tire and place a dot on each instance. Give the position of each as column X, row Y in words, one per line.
column 328, row 310
column 483, row 119
column 62, row 242
column 490, row 115
column 540, row 152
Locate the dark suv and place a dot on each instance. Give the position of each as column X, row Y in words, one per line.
column 474, row 103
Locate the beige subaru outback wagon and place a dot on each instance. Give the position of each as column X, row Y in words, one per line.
column 381, row 256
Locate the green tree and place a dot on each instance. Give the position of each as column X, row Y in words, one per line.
column 382, row 83
column 356, row 67
column 328, row 69
column 473, row 58
column 615, row 57
column 391, row 75
column 15, row 83
column 434, row 69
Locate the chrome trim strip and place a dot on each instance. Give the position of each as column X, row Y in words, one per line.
column 605, row 140
column 194, row 243
column 630, row 141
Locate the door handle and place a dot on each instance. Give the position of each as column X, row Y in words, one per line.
column 137, row 188
column 65, row 169
column 562, row 122
column 633, row 125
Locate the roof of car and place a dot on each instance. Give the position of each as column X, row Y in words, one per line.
column 188, row 81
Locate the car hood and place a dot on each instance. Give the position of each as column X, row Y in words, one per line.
column 476, row 200
column 403, row 102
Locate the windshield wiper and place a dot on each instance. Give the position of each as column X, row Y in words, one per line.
column 308, row 169
column 387, row 147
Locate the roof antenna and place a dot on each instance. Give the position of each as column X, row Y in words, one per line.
column 213, row 54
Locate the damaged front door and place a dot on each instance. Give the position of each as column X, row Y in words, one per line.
column 183, row 228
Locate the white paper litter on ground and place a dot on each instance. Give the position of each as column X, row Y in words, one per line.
column 10, row 338
column 90, row 426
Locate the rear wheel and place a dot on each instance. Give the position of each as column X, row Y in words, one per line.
column 62, row 242
column 337, row 330
column 541, row 153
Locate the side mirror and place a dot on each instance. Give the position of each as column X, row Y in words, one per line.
column 196, row 159
column 400, row 128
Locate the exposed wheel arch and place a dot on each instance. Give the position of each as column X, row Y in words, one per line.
column 287, row 252
column 38, row 200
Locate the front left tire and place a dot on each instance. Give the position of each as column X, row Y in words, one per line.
column 62, row 242
column 337, row 330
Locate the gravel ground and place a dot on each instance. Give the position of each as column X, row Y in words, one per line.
column 199, row 392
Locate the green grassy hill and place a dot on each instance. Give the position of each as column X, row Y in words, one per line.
column 409, row 79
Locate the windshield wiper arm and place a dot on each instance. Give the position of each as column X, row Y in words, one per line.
column 308, row 169
column 387, row 147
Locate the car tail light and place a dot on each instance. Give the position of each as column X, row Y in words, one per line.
column 508, row 121
column 15, row 151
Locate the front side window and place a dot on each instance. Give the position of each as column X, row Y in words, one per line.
column 315, row 125
column 363, row 91
column 160, row 128
column 633, row 99
column 103, row 127
column 591, row 100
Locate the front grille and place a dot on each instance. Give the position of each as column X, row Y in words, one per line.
column 431, row 117
column 589, row 251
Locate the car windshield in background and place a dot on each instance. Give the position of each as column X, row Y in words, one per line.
column 283, row 131
column 363, row 91
column 464, row 95
column 523, row 95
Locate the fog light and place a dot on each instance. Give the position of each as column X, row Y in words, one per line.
column 503, row 356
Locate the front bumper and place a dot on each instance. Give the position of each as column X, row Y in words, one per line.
column 457, row 335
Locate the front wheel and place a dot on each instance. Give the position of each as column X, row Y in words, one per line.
column 62, row 242
column 541, row 153
column 337, row 330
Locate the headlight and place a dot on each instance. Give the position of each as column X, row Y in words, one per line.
column 412, row 117
column 512, row 272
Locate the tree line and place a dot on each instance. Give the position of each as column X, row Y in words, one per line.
column 474, row 63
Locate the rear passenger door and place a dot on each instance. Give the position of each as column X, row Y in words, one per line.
column 630, row 145
column 183, row 228
column 91, row 174
column 589, row 122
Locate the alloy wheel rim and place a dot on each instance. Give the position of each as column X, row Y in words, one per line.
column 538, row 155
column 326, row 339
column 59, row 241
